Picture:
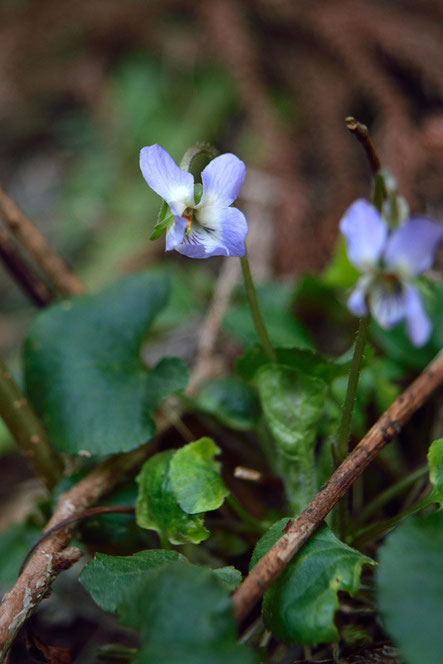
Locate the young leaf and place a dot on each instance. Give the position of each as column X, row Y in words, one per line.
column 293, row 404
column 183, row 614
column 107, row 578
column 83, row 370
column 409, row 585
column 195, row 477
column 232, row 401
column 299, row 607
column 157, row 507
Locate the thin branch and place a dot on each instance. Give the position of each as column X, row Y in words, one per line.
column 34, row 288
column 26, row 429
column 297, row 532
column 361, row 133
column 44, row 254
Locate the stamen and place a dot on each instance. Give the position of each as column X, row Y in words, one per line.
column 188, row 226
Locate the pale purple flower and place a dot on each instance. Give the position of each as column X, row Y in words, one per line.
column 208, row 227
column 389, row 262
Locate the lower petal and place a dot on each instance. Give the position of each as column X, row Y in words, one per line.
column 387, row 307
column 417, row 322
column 357, row 302
column 227, row 227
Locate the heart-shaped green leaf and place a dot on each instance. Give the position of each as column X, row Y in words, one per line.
column 157, row 507
column 232, row 401
column 83, row 370
column 300, row 606
column 409, row 585
column 195, row 477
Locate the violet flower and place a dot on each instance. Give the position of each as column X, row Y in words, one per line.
column 389, row 262
column 201, row 227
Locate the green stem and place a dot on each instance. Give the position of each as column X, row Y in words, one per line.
column 26, row 429
column 342, row 447
column 351, row 391
column 392, row 492
column 245, row 516
column 255, row 310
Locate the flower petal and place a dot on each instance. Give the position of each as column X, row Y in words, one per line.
column 222, row 179
column 387, row 307
column 357, row 300
column 175, row 233
column 417, row 322
column 365, row 233
column 163, row 175
column 228, row 225
column 410, row 249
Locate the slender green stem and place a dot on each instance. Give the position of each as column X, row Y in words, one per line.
column 244, row 516
column 392, row 492
column 354, row 375
column 342, row 446
column 255, row 310
column 26, row 429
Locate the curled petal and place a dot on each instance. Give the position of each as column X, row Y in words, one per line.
column 175, row 233
column 365, row 233
column 387, row 306
column 222, row 179
column 417, row 322
column 163, row 175
column 410, row 249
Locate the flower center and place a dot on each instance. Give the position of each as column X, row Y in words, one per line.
column 188, row 218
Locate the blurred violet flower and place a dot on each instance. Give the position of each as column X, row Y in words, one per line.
column 208, row 226
column 388, row 263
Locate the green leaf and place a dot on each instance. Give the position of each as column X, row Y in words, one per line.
column 107, row 578
column 435, row 461
column 83, row 369
column 293, row 404
column 300, row 606
column 183, row 614
column 195, row 477
column 232, row 401
column 157, row 507
column 303, row 359
column 229, row 577
column 165, row 219
column 409, row 586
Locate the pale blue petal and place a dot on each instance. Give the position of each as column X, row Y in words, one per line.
column 175, row 233
column 222, row 179
column 411, row 247
column 387, row 306
column 357, row 300
column 169, row 181
column 227, row 226
column 365, row 233
column 417, row 322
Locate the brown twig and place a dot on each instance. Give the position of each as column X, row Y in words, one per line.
column 361, row 133
column 35, row 581
column 297, row 532
column 36, row 290
column 80, row 516
column 27, row 430
column 44, row 254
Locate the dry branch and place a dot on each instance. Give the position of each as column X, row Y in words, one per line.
column 274, row 562
column 44, row 254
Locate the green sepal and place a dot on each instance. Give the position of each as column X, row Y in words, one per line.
column 165, row 219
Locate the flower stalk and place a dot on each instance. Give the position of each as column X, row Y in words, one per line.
column 257, row 317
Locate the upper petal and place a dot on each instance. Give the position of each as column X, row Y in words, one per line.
column 169, row 181
column 222, row 179
column 365, row 233
column 417, row 322
column 410, row 249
